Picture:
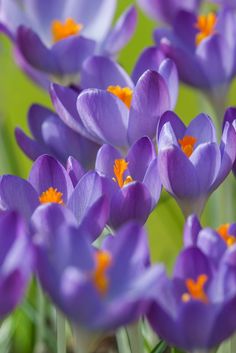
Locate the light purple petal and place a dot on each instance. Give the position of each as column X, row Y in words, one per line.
column 191, row 229
column 153, row 182
column 75, row 170
column 176, row 124
column 30, row 147
column 106, row 157
column 203, row 129
column 168, row 70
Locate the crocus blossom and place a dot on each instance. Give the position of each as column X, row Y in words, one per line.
column 15, row 273
column 133, row 183
column 54, row 39
column 230, row 117
column 194, row 310
column 203, row 48
column 49, row 182
column 191, row 163
column 93, row 287
column 167, row 10
column 52, row 136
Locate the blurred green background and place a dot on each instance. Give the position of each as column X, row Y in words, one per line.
column 17, row 93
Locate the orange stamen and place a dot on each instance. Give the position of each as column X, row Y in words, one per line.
column 103, row 262
column 62, row 30
column 223, row 231
column 206, row 26
column 187, row 145
column 196, row 289
column 125, row 94
column 120, row 166
column 51, row 195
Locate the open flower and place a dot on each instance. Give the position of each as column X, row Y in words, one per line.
column 49, row 182
column 203, row 49
column 15, row 245
column 97, row 289
column 167, row 10
column 52, row 136
column 118, row 112
column 133, row 183
column 194, row 310
column 191, row 163
column 54, row 39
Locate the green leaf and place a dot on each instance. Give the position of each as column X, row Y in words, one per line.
column 160, row 347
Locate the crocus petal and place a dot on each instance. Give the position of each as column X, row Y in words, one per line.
column 132, row 202
column 122, row 32
column 106, row 157
column 150, row 100
column 207, row 160
column 202, row 128
column 168, row 70
column 48, row 172
column 99, row 110
column 211, row 244
column 176, row 124
column 151, row 59
column 191, row 263
column 31, row 148
column 12, row 16
column 191, row 229
column 75, row 170
column 153, row 182
column 139, row 157
column 230, row 115
column 70, row 54
column 37, row 115
column 101, row 72
column 25, row 200
column 177, row 173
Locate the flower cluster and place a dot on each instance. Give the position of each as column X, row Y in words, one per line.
column 101, row 160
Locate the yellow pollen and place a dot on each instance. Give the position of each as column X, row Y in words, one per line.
column 206, row 26
column 125, row 94
column 223, row 231
column 196, row 289
column 51, row 195
column 187, row 145
column 62, row 30
column 120, row 166
column 103, row 262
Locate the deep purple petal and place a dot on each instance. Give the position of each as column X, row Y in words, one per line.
column 101, row 72
column 176, row 123
column 48, row 172
column 75, row 170
column 99, row 111
column 150, row 100
column 31, row 148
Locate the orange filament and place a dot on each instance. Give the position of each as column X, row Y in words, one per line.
column 51, row 195
column 223, row 231
column 62, row 30
column 206, row 26
column 187, row 145
column 103, row 262
column 125, row 94
column 196, row 289
column 120, row 166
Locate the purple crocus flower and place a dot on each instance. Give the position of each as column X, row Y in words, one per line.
column 133, row 182
column 203, row 49
column 118, row 112
column 167, row 10
column 230, row 117
column 114, row 283
column 49, row 182
column 195, row 309
column 54, row 39
column 52, row 136
column 191, row 163
column 15, row 245
column 212, row 242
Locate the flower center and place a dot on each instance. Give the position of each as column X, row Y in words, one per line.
column 100, row 280
column 62, row 30
column 196, row 289
column 51, row 195
column 223, row 231
column 120, row 166
column 187, row 145
column 206, row 26
column 125, row 94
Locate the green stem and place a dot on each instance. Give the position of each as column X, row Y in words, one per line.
column 40, row 335
column 122, row 341
column 136, row 338
column 85, row 341
column 61, row 333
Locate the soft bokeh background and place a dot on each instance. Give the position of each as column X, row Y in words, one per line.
column 17, row 93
